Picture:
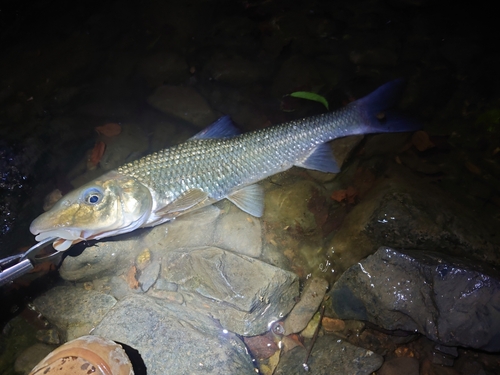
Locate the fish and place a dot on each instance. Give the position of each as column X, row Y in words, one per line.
column 217, row 163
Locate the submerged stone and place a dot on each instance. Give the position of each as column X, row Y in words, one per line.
column 330, row 355
column 75, row 311
column 453, row 302
column 170, row 343
column 243, row 293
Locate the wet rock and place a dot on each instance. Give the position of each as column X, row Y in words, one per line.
column 183, row 102
column 48, row 336
column 107, row 258
column 169, row 342
column 330, row 355
column 374, row 57
column 236, row 103
column 402, row 212
column 224, row 285
column 149, row 275
column 312, row 74
column 310, row 299
column 453, row 302
column 239, row 232
column 163, row 68
column 290, row 205
column 75, row 311
column 401, row 365
column 234, row 70
column 127, row 146
column 30, row 357
column 15, row 175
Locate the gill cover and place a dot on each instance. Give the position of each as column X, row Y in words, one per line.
column 109, row 205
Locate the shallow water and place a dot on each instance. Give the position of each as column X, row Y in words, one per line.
column 165, row 70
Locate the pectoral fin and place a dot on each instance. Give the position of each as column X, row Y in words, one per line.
column 183, row 203
column 249, row 199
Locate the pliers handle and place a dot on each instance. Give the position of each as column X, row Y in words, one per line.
column 17, row 265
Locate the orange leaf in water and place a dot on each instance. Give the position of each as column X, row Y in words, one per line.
column 421, row 141
column 109, row 130
column 96, row 154
column 332, row 325
column 348, row 195
column 291, row 341
column 131, row 278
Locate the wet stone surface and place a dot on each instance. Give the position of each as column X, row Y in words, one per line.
column 161, row 333
column 330, row 355
column 74, row 310
column 451, row 301
column 226, row 283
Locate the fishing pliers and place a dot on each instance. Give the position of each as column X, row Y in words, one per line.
column 17, row 265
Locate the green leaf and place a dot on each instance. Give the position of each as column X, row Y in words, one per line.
column 310, row 96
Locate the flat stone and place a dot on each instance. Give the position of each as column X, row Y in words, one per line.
column 75, row 311
column 330, row 355
column 303, row 311
column 168, row 341
column 401, row 365
column 30, row 357
column 183, row 102
column 239, row 232
column 243, row 293
column 149, row 275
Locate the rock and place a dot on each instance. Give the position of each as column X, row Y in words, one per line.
column 401, row 211
column 453, row 302
column 330, row 355
column 239, row 232
column 290, row 205
column 224, row 285
column 374, row 57
column 169, row 342
column 48, row 336
column 30, row 357
column 106, row 258
column 183, row 102
column 163, row 68
column 313, row 74
column 149, row 275
column 401, row 365
column 75, row 311
column 310, row 299
column 127, row 146
column 234, row 70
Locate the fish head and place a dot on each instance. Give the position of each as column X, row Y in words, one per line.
column 109, row 205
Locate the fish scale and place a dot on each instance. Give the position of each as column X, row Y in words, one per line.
column 219, row 166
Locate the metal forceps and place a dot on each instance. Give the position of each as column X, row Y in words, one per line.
column 17, row 265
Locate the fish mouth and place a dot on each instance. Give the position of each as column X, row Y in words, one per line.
column 65, row 237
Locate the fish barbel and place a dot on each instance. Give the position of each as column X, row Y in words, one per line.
column 215, row 164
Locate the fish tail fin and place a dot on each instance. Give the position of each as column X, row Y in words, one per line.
column 377, row 113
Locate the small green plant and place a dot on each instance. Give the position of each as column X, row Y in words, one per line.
column 310, row 96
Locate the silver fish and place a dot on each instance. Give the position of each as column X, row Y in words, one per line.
column 218, row 163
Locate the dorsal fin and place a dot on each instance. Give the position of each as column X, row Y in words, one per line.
column 221, row 128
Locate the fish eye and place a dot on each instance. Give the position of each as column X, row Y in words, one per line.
column 92, row 196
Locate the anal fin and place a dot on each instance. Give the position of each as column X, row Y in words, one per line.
column 249, row 199
column 320, row 159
